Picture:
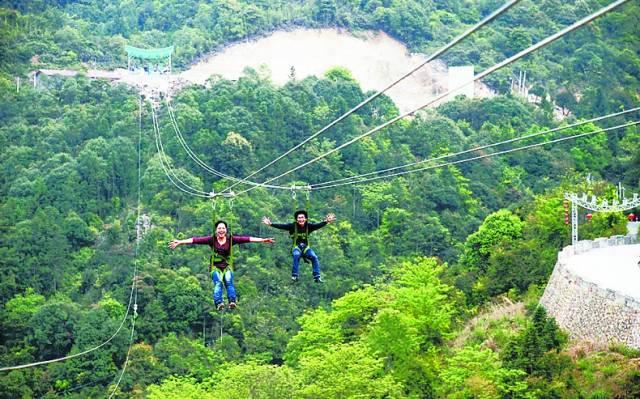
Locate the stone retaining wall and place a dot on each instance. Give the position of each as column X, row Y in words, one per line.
column 586, row 310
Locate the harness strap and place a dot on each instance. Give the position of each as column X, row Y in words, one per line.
column 296, row 234
column 305, row 235
column 217, row 258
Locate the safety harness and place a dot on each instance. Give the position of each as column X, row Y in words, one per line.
column 297, row 234
column 303, row 235
column 217, row 257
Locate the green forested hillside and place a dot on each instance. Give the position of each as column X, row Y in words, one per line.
column 597, row 65
column 408, row 263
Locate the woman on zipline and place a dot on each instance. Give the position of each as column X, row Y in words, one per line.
column 221, row 266
column 299, row 232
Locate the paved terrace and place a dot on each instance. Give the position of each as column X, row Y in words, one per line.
column 614, row 268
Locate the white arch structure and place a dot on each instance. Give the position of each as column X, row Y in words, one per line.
column 592, row 204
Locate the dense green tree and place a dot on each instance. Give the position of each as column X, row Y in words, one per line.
column 478, row 372
column 77, row 231
column 498, row 229
column 69, row 204
column 17, row 314
column 178, row 294
column 53, row 325
column 433, row 239
column 143, row 368
column 541, row 335
column 179, row 388
column 360, row 374
column 254, row 380
column 184, row 356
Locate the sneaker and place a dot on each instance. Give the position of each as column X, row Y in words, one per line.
column 318, row 280
column 294, row 279
column 232, row 305
column 220, row 306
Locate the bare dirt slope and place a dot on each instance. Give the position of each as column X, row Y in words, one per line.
column 374, row 59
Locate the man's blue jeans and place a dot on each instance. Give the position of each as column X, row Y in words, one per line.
column 219, row 278
column 309, row 254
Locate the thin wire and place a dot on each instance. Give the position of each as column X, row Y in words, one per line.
column 166, row 168
column 22, row 366
column 486, row 72
column 197, row 160
column 126, row 362
column 482, row 156
column 187, row 149
column 131, row 298
column 319, row 185
column 137, row 252
column 79, row 386
column 438, row 53
column 164, row 161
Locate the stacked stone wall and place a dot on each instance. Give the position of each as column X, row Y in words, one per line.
column 586, row 310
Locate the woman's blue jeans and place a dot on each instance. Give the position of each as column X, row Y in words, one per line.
column 219, row 278
column 309, row 254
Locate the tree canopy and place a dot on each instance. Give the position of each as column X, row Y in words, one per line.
column 414, row 264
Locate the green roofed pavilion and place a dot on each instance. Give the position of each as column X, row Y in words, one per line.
column 156, row 56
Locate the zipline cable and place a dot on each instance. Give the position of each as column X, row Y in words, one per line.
column 203, row 164
column 166, row 164
column 316, row 186
column 176, row 180
column 483, row 156
column 433, row 56
column 185, row 188
column 126, row 361
column 486, row 72
column 192, row 155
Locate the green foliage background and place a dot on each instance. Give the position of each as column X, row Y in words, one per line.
column 408, row 263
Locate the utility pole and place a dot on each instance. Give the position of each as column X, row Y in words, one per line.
column 620, row 190
column 520, row 82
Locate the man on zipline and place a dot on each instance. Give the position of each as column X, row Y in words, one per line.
column 299, row 232
column 221, row 266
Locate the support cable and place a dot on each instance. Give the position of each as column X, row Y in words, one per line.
column 132, row 297
column 200, row 162
column 126, row 361
column 135, row 262
column 22, row 366
column 175, row 180
column 481, row 156
column 330, row 182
